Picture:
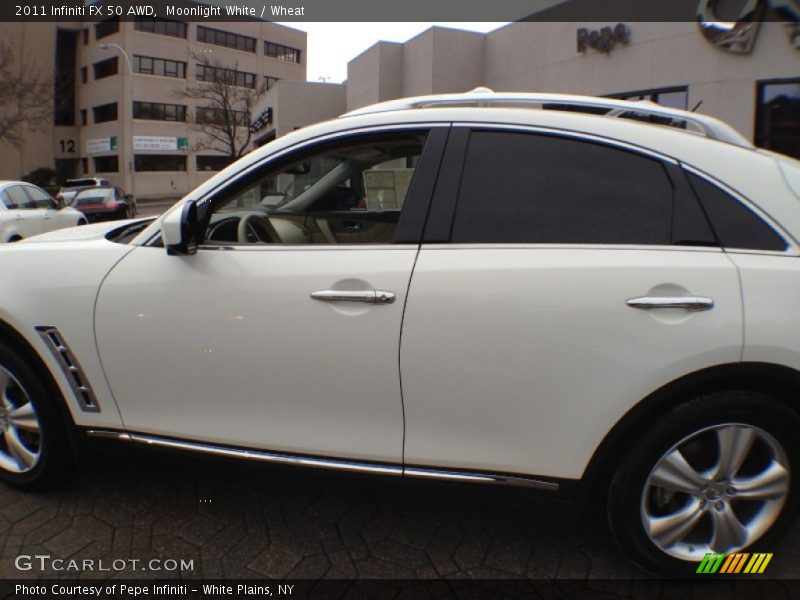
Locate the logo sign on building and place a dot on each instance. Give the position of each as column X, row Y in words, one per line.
column 739, row 37
column 603, row 40
column 156, row 142
column 98, row 145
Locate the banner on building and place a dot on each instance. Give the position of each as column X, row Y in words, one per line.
column 156, row 142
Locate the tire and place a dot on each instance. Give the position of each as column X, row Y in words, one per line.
column 81, row 222
column 697, row 429
column 15, row 238
column 49, row 457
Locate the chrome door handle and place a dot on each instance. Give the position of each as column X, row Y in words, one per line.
column 367, row 296
column 691, row 303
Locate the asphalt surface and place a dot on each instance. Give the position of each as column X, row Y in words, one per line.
column 237, row 520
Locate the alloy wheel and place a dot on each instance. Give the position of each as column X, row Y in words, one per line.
column 717, row 490
column 20, row 430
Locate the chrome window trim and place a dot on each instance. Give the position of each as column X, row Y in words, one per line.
column 792, row 248
column 586, row 247
column 322, row 462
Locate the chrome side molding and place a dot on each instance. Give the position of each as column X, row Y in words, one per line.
column 70, row 367
column 321, row 463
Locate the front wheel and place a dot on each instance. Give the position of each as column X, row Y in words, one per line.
column 717, row 474
column 34, row 447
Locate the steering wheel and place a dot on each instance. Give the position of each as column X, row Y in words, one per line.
column 254, row 229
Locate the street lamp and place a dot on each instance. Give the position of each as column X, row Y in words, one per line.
column 128, row 107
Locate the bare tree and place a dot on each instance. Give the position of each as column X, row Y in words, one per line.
column 225, row 101
column 26, row 97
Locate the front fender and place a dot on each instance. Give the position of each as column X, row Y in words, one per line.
column 56, row 285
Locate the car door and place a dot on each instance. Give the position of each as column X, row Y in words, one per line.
column 561, row 281
column 29, row 220
column 274, row 336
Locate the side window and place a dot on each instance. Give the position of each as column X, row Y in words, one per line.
column 350, row 193
column 40, row 198
column 734, row 223
column 527, row 188
column 19, row 198
column 6, row 201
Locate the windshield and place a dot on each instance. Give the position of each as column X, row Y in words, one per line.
column 94, row 196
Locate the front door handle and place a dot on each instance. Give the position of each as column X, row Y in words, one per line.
column 367, row 296
column 691, row 303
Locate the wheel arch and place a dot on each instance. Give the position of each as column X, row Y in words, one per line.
column 9, row 335
column 778, row 381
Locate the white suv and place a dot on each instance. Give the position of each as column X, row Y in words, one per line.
column 452, row 287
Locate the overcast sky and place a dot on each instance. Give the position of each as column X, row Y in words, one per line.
column 332, row 45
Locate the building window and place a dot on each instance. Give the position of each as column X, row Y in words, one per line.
column 85, row 166
column 225, row 38
column 148, row 65
column 282, row 52
column 106, row 28
column 105, row 112
column 270, row 81
column 85, row 33
column 162, row 27
column 84, row 75
column 83, row 117
column 220, row 116
column 213, row 163
column 106, row 164
column 106, row 68
column 673, row 97
column 778, row 116
column 155, row 111
column 226, row 76
column 159, row 162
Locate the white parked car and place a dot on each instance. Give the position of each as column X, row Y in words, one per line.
column 459, row 287
column 27, row 210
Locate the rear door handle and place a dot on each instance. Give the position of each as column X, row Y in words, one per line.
column 691, row 303
column 367, row 296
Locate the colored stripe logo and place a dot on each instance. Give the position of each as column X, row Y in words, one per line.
column 730, row 564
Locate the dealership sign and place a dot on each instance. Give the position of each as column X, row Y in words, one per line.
column 155, row 142
column 739, row 36
column 98, row 145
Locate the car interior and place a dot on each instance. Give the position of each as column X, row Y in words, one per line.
column 350, row 195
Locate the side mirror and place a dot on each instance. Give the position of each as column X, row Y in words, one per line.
column 179, row 230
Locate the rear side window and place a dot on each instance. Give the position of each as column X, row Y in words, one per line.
column 527, row 188
column 735, row 224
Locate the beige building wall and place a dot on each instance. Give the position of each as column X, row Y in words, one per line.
column 543, row 57
column 36, row 43
column 41, row 149
column 296, row 104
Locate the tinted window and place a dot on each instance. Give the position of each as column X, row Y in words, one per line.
column 736, row 225
column 523, row 188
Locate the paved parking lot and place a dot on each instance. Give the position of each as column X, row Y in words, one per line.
column 244, row 521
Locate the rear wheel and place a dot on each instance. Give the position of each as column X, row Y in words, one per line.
column 717, row 474
column 34, row 447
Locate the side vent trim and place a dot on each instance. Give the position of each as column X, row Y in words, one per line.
column 70, row 367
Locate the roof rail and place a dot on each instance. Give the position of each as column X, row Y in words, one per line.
column 709, row 126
